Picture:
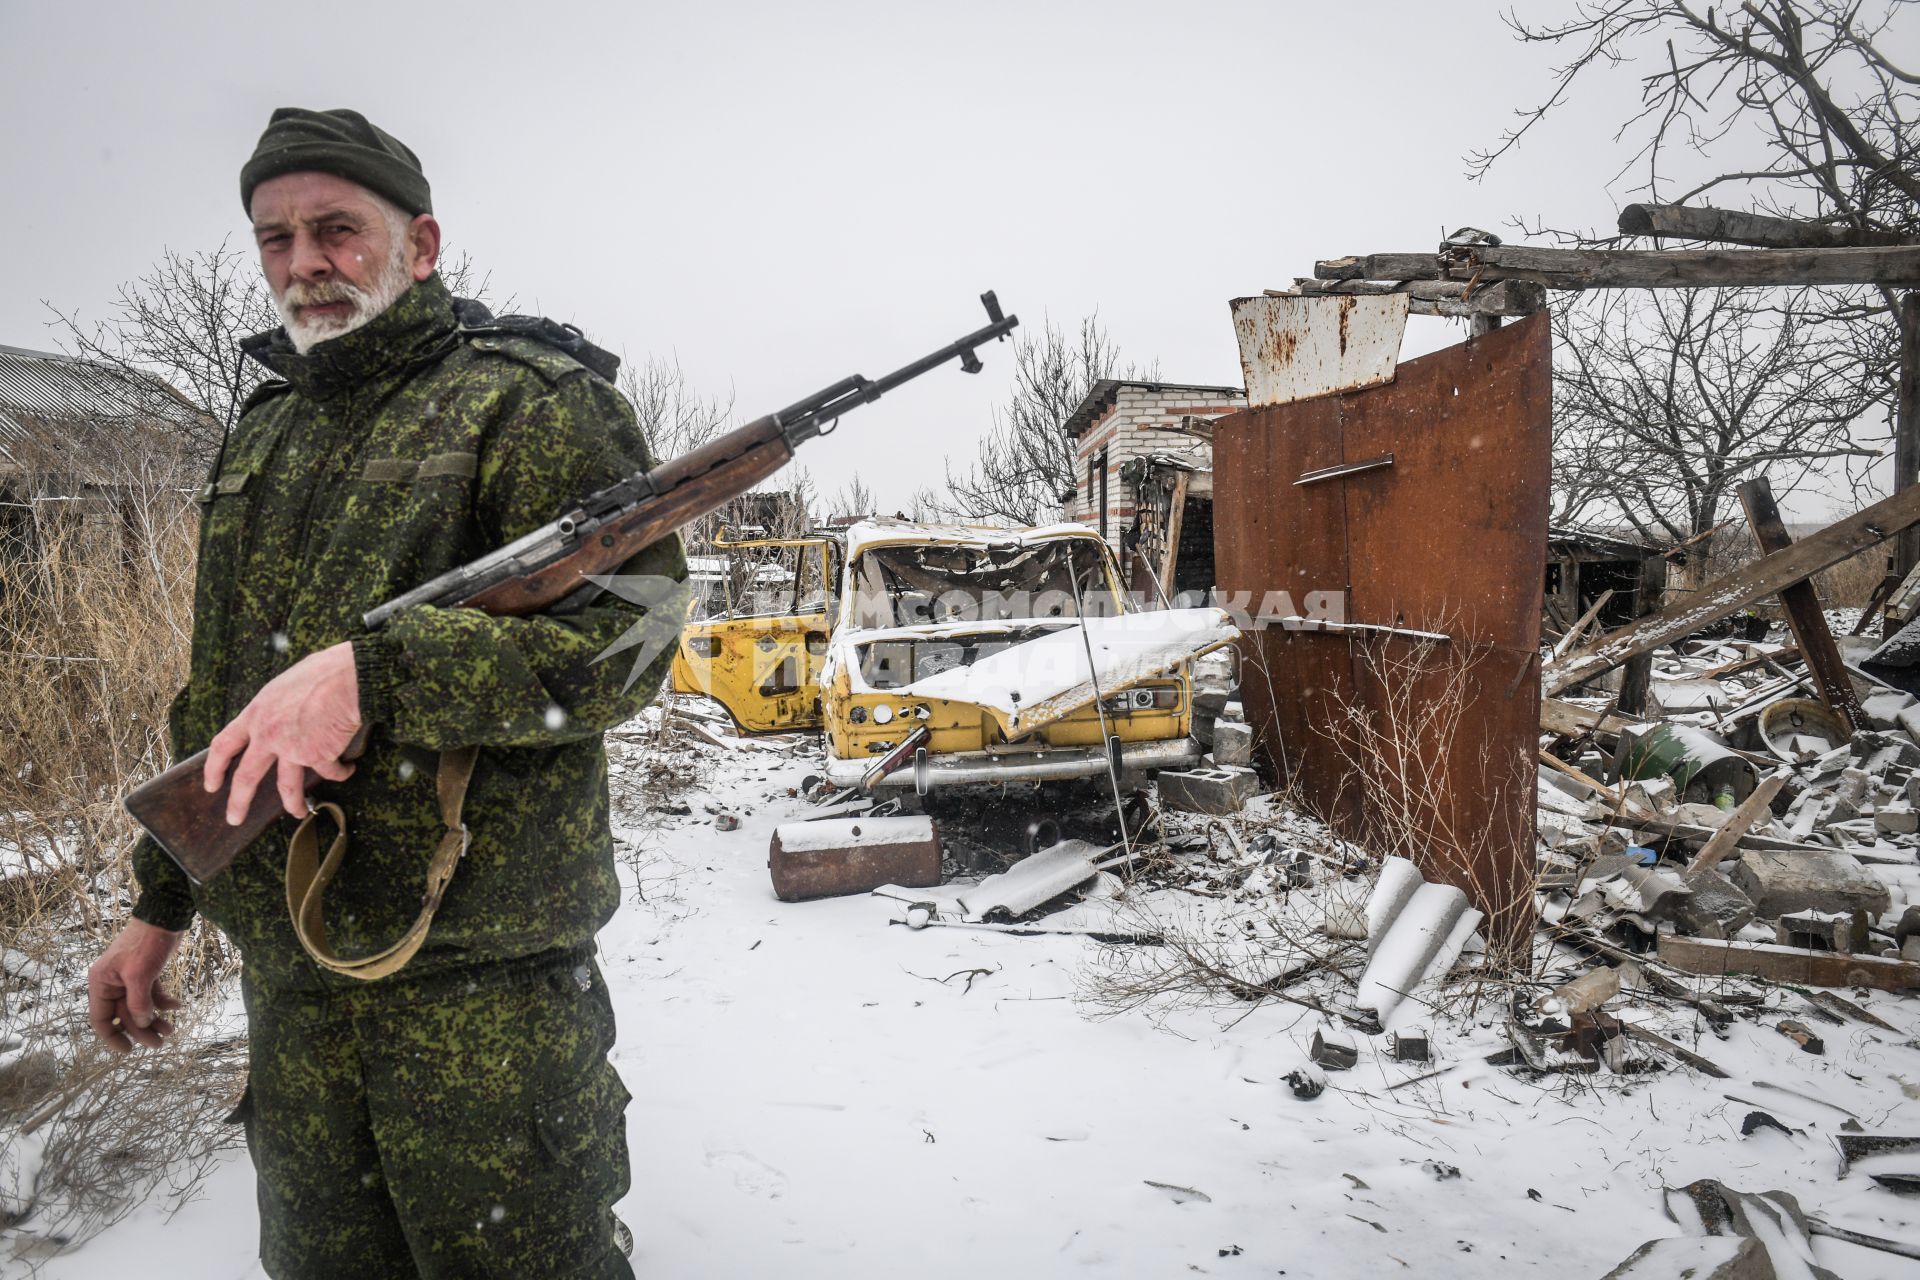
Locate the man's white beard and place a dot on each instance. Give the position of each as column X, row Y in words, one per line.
column 395, row 278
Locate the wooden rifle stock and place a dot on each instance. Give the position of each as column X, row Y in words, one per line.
column 546, row 567
column 190, row 822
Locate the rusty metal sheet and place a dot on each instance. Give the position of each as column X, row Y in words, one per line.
column 1296, row 348
column 1451, row 538
column 834, row 856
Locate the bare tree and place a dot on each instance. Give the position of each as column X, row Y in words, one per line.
column 182, row 323
column 1791, row 107
column 1665, row 401
column 676, row 418
column 1026, row 462
column 855, row 500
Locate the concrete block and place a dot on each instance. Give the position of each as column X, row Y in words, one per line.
column 1232, row 742
column 1909, row 721
column 1883, row 708
column 1781, row 882
column 1880, row 751
column 1202, row 729
column 1212, row 791
column 1827, row 930
column 1897, row 819
column 1717, row 908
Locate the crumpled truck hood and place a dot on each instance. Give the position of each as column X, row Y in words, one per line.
column 1031, row 685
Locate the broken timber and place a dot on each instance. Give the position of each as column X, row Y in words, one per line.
column 1803, row 610
column 1894, row 266
column 1711, row 957
column 1730, row 226
column 1765, row 577
column 1452, row 298
column 1570, row 719
column 1738, row 823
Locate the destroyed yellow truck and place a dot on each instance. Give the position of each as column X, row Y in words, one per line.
column 942, row 655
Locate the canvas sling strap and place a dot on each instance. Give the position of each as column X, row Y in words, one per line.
column 309, row 875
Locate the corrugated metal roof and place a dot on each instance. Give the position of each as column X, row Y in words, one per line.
column 44, row 395
column 1626, row 546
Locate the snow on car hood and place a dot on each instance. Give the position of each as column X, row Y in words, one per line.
column 1031, row 685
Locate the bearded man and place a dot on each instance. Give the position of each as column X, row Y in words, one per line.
column 458, row 1117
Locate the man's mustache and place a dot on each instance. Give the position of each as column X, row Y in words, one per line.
column 321, row 292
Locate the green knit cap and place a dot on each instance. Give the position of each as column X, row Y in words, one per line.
column 344, row 144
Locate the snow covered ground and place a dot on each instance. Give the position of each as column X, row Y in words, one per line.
column 818, row 1093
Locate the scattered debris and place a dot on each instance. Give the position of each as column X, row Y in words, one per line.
column 1306, row 1085
column 836, row 856
column 1801, row 1034
column 1409, row 1046
column 1333, row 1050
column 1890, row 1161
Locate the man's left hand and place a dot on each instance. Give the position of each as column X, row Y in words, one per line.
column 303, row 718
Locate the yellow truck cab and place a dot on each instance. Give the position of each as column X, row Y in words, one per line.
column 1013, row 649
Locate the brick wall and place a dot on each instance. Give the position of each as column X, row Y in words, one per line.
column 1128, row 429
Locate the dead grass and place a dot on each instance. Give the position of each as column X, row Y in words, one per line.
column 95, row 617
column 1847, row 585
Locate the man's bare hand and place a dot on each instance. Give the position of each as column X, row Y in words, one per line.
column 124, row 995
column 303, row 719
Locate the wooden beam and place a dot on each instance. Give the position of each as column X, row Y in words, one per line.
column 1176, row 517
column 1711, row 957
column 1892, row 266
column 1579, row 628
column 1692, row 268
column 1380, row 266
column 1636, row 684
column 1765, row 577
column 1803, row 609
column 1570, row 719
column 1441, row 297
column 1738, row 823
column 1730, row 226
column 1906, row 428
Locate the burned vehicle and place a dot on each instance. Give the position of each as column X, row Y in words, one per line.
column 950, row 655
column 759, row 654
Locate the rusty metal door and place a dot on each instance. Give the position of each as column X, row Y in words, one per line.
column 1413, row 746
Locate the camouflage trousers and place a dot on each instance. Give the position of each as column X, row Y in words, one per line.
column 466, row 1124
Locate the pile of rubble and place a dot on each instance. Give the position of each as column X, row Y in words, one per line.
column 1744, row 830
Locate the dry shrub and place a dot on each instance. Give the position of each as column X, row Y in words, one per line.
column 95, row 617
column 1209, row 954
column 1851, row 583
column 1415, row 774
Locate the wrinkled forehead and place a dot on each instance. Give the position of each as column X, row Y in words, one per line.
column 309, row 196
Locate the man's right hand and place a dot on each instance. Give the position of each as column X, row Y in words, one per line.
column 124, row 995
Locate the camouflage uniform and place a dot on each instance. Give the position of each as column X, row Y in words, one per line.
column 459, row 1118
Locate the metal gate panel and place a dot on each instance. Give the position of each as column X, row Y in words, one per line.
column 1450, row 537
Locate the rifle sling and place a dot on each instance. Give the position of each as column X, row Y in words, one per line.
column 308, row 876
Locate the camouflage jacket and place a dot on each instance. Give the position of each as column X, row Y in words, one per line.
column 388, row 456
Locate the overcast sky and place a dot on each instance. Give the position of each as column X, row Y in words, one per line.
column 782, row 194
